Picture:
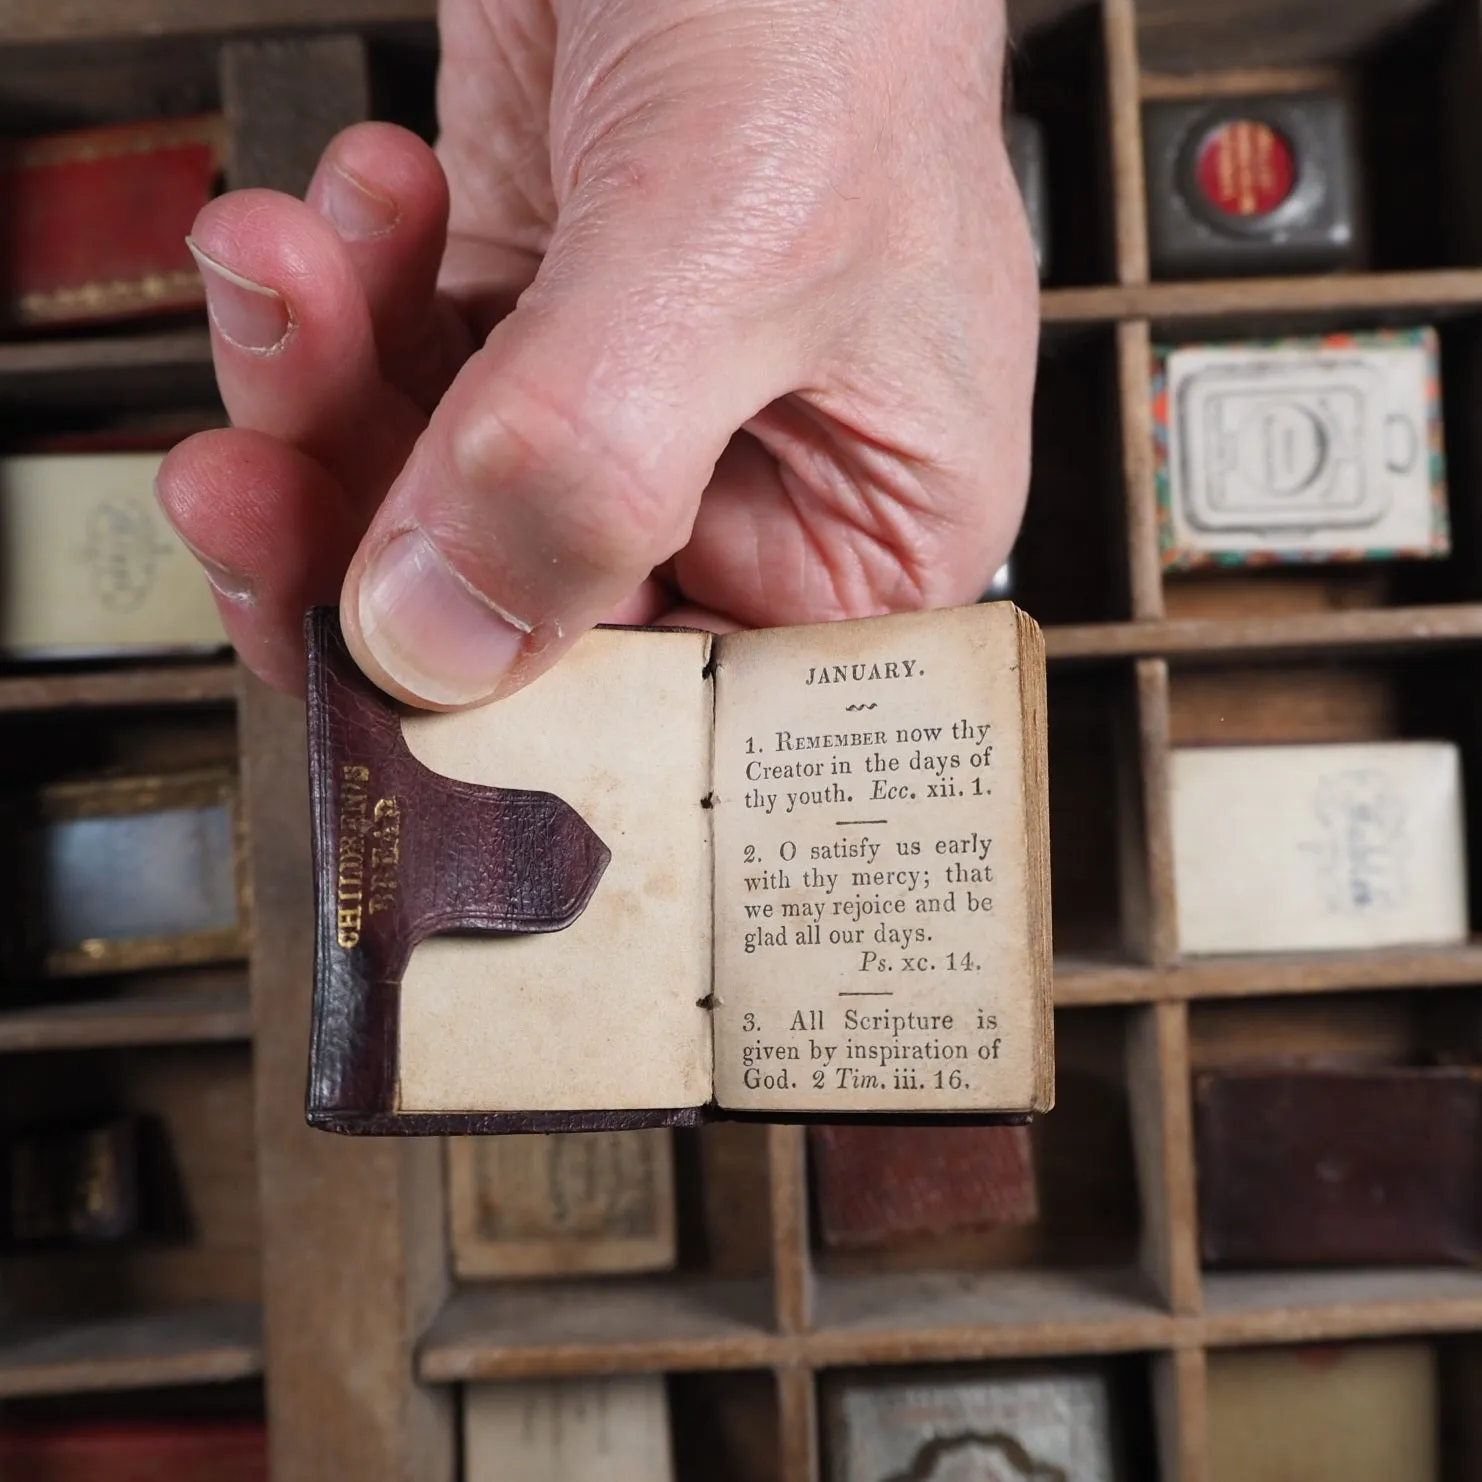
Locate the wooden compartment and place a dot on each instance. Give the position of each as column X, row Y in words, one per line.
column 199, row 1243
column 726, row 1427
column 1083, row 1172
column 1069, row 562
column 1110, row 1435
column 1408, row 73
column 1309, row 588
column 1058, row 78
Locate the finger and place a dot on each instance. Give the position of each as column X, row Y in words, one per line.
column 385, row 194
column 566, row 462
column 273, row 532
column 293, row 342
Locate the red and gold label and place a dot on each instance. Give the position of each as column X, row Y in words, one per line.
column 1246, row 168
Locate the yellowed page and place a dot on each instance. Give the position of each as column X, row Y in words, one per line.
column 606, row 1013
column 874, row 932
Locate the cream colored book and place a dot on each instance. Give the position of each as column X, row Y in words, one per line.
column 90, row 567
column 1341, row 1413
column 568, row 1430
column 951, row 1426
column 562, row 1203
column 793, row 872
column 1313, row 848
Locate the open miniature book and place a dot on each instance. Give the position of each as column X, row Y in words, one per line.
column 792, row 872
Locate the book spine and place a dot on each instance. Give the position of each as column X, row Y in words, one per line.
column 401, row 853
column 97, row 220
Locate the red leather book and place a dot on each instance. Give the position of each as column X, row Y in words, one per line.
column 94, row 222
column 876, row 1185
column 136, row 1451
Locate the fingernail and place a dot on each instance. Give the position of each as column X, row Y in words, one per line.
column 245, row 313
column 429, row 630
column 353, row 208
column 235, row 586
column 229, row 584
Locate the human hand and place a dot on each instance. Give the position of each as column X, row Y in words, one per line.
column 771, row 363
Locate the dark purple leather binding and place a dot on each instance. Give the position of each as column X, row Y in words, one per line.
column 400, row 854
column 1339, row 1167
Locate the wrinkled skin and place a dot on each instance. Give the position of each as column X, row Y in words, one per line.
column 771, row 362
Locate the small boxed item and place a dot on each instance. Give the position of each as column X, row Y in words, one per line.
column 950, row 1425
column 123, row 873
column 1361, row 1167
column 1318, row 848
column 1264, row 184
column 1326, row 449
column 563, row 1204
column 878, row 1186
column 73, row 1186
column 89, row 566
column 1352, row 1412
column 568, row 1430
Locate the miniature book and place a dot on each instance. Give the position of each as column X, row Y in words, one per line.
column 568, row 1430
column 1340, row 1167
column 1318, row 847
column 73, row 1186
column 1351, row 1412
column 79, row 904
column 1264, row 184
column 1301, row 450
column 950, row 1426
column 877, row 1186
column 563, row 1204
column 89, row 566
column 798, row 872
column 122, row 1450
column 96, row 220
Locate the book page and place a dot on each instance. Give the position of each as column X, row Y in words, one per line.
column 879, row 910
column 606, row 1014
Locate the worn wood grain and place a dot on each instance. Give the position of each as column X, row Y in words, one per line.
column 201, row 1345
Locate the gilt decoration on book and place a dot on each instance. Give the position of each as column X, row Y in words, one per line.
column 795, row 873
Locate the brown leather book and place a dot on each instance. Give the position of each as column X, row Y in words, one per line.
column 798, row 873
column 1339, row 1167
column 73, row 1186
column 875, row 1186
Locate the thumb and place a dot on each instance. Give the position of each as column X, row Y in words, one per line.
column 567, row 460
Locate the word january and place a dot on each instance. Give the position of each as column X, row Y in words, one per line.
column 845, row 673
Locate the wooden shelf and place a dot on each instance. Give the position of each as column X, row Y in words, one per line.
column 1081, row 981
column 77, row 20
column 164, row 1018
column 1363, row 295
column 154, row 684
column 891, row 1317
column 1395, row 629
column 617, row 1326
column 1320, row 1306
column 198, row 1345
column 150, row 350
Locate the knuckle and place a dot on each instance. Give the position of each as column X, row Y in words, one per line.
column 568, row 487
